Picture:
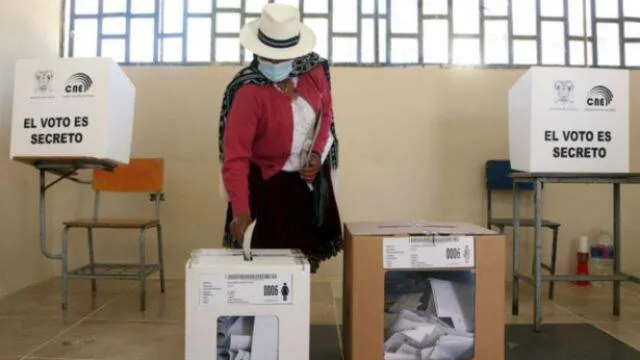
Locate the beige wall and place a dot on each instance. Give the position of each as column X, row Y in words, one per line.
column 23, row 33
column 414, row 143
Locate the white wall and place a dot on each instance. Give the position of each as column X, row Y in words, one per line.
column 28, row 28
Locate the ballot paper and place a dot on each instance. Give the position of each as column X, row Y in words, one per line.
column 428, row 316
column 309, row 144
column 402, row 324
column 426, row 353
column 241, row 336
column 456, row 347
column 243, row 355
column 414, row 315
column 234, row 325
column 447, row 302
column 239, row 342
column 394, row 342
column 409, row 350
column 246, row 241
column 410, row 328
column 424, row 335
column 409, row 301
column 265, row 338
column 389, row 320
column 398, row 356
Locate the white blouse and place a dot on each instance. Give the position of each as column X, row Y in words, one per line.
column 303, row 127
column 304, row 119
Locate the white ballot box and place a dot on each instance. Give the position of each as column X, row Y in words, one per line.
column 570, row 120
column 72, row 108
column 237, row 252
column 256, row 309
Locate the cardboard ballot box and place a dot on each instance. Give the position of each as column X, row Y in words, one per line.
column 238, row 309
column 423, row 290
column 72, row 108
column 570, row 120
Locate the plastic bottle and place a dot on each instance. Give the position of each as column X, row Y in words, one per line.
column 582, row 265
column 602, row 254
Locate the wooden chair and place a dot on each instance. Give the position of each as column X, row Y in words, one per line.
column 139, row 176
column 497, row 179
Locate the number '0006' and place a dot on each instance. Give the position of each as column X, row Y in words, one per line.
column 453, row 253
column 271, row 290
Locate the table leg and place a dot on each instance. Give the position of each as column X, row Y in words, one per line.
column 42, row 217
column 616, row 248
column 515, row 286
column 537, row 258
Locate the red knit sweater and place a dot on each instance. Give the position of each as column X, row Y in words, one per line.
column 259, row 130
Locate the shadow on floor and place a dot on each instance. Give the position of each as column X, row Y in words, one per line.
column 566, row 342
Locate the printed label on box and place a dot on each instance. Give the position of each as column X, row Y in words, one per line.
column 247, row 288
column 211, row 289
column 428, row 252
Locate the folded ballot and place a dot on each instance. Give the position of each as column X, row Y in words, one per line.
column 447, row 301
column 409, row 301
column 429, row 322
column 245, row 335
column 453, row 347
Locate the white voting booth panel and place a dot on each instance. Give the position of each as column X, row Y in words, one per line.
column 239, row 309
column 72, row 108
column 570, row 120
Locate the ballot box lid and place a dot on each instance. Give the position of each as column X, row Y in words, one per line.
column 421, row 227
column 257, row 252
column 235, row 259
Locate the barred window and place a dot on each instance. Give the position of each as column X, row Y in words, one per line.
column 492, row 33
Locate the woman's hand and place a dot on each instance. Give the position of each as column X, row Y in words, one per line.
column 239, row 225
column 309, row 173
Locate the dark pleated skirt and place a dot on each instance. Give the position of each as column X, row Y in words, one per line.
column 283, row 206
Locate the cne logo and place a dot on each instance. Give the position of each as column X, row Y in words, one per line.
column 78, row 83
column 599, row 96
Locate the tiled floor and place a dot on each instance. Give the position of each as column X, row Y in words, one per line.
column 110, row 326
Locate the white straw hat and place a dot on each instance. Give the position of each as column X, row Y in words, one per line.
column 278, row 34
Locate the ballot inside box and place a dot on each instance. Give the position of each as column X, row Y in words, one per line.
column 429, row 315
column 247, row 338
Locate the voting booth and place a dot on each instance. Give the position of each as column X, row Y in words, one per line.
column 243, row 305
column 72, row 108
column 423, row 290
column 572, row 120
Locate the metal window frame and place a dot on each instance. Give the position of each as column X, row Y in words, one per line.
column 484, row 20
column 100, row 26
column 380, row 38
column 72, row 26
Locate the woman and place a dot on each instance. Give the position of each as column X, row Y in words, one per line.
column 277, row 141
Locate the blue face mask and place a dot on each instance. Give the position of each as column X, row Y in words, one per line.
column 276, row 72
